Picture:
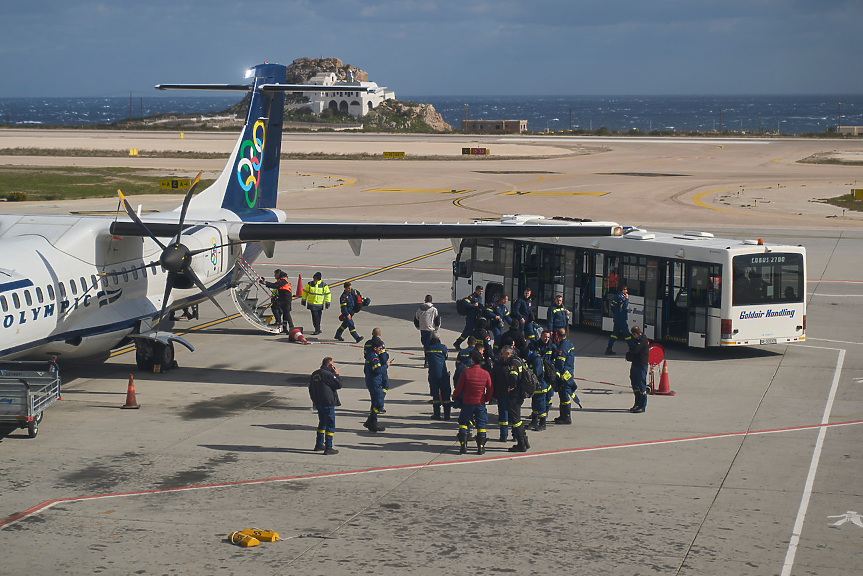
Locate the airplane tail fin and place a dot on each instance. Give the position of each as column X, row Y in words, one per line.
column 249, row 182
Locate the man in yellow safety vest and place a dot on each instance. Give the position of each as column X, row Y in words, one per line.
column 316, row 295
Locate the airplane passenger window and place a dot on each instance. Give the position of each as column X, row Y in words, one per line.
column 83, row 284
column 116, row 277
column 16, row 300
column 144, row 271
column 62, row 290
column 27, row 298
column 39, row 295
column 125, row 275
column 50, row 292
column 134, row 274
column 104, row 278
column 93, row 282
column 153, row 268
column 73, row 287
column 4, row 304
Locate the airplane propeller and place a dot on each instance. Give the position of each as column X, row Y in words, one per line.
column 176, row 258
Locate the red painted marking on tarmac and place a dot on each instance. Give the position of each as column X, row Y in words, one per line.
column 49, row 503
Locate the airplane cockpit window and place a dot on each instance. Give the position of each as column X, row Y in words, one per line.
column 50, row 292
column 39, row 295
column 125, row 275
column 16, row 300
column 28, row 298
column 73, row 287
column 4, row 304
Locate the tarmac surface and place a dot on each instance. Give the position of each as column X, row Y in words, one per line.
column 753, row 467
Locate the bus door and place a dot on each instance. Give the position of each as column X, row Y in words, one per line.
column 590, row 288
column 705, row 291
column 675, row 321
column 462, row 271
column 526, row 268
column 652, row 302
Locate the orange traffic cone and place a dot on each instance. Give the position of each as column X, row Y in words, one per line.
column 131, row 400
column 297, row 336
column 664, row 384
column 299, row 285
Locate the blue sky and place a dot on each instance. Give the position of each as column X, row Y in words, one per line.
column 441, row 47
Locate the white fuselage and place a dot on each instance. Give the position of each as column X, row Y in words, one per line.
column 71, row 289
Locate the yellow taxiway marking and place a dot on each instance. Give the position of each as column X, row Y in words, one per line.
column 418, row 190
column 549, row 193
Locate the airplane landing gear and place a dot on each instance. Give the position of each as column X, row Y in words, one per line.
column 148, row 354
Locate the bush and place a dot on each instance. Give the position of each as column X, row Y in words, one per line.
column 16, row 197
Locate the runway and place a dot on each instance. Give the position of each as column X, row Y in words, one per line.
column 747, row 470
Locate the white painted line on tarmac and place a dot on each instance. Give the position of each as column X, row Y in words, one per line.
column 813, row 467
column 834, row 341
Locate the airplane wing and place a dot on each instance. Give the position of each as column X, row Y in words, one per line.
column 241, row 232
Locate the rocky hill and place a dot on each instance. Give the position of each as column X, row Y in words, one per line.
column 397, row 116
column 301, row 70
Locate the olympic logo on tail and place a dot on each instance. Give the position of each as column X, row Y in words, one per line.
column 248, row 169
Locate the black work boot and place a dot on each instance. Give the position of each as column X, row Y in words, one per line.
column 371, row 423
column 565, row 415
column 521, row 439
column 447, row 411
column 480, row 444
column 610, row 352
column 457, row 343
column 541, row 425
column 462, row 441
column 534, row 420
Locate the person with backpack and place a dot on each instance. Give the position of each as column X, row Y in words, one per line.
column 564, row 364
column 511, row 384
column 514, row 338
column 323, row 390
column 471, row 308
column 374, row 383
column 541, row 361
column 316, row 295
column 498, row 317
column 475, row 388
column 439, row 383
column 283, row 295
column 350, row 302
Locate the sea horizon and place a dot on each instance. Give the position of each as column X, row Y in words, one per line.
column 783, row 113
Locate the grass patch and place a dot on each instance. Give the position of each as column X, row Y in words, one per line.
column 846, row 201
column 88, row 153
column 69, row 183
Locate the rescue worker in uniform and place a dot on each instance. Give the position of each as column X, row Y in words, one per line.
column 638, row 354
column 564, row 363
column 498, row 317
column 506, row 377
column 316, row 295
column 283, row 295
column 374, row 384
column 523, row 310
column 439, row 382
column 347, row 305
column 481, row 334
column 462, row 360
column 515, row 339
column 323, row 389
column 384, row 358
column 475, row 387
column 473, row 303
column 620, row 313
column 542, row 352
column 558, row 316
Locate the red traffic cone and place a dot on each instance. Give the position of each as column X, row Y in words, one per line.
column 664, row 384
column 131, row 400
column 297, row 336
column 299, row 284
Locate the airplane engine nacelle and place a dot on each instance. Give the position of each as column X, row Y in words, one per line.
column 215, row 258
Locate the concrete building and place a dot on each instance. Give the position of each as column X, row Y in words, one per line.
column 851, row 130
column 514, row 126
column 349, row 101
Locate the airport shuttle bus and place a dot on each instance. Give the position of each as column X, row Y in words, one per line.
column 690, row 288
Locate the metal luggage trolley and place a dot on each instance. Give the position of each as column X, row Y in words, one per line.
column 26, row 389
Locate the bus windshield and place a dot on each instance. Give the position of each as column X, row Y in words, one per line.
column 768, row 278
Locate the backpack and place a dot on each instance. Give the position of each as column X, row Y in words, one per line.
column 461, row 307
column 550, row 374
column 359, row 301
column 528, row 382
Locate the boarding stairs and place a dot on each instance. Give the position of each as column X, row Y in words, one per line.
column 252, row 299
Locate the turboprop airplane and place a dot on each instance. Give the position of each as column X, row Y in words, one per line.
column 78, row 286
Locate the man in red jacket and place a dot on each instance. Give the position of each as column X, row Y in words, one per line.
column 474, row 387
